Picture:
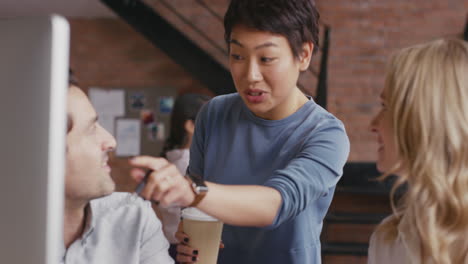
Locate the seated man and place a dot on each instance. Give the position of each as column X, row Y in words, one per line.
column 101, row 226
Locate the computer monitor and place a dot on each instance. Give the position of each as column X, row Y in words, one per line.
column 33, row 82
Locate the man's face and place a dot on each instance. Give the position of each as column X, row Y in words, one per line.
column 88, row 144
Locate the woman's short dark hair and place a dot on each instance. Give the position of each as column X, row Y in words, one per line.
column 185, row 108
column 296, row 20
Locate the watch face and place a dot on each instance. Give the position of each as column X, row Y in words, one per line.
column 198, row 184
column 201, row 189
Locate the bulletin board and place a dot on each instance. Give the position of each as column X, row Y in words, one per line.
column 126, row 112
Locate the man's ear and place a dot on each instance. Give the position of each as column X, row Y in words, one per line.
column 69, row 123
column 306, row 55
column 189, row 126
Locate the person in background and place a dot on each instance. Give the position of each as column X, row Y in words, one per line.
column 269, row 155
column 101, row 226
column 176, row 151
column 422, row 131
column 182, row 126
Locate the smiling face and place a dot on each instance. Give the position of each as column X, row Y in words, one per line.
column 265, row 72
column 88, row 144
column 382, row 126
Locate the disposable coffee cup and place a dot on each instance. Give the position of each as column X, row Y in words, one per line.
column 204, row 232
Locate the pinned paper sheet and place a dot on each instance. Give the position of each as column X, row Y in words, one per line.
column 107, row 122
column 161, row 134
column 137, row 101
column 128, row 137
column 151, row 131
column 166, row 103
column 108, row 102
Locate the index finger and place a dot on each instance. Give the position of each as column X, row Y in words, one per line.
column 180, row 235
column 148, row 162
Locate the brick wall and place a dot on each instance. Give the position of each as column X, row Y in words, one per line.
column 107, row 52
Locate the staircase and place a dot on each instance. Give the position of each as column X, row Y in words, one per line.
column 191, row 33
column 360, row 203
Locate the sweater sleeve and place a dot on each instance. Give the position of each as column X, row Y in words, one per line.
column 313, row 172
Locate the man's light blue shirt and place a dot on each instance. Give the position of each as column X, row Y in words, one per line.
column 120, row 229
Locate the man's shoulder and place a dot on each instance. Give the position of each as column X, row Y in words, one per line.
column 119, row 201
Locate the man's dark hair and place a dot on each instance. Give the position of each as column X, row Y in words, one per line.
column 296, row 20
column 72, row 81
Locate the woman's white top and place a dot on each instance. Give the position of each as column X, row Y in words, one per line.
column 171, row 216
column 403, row 250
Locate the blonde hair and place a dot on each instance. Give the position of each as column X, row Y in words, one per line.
column 427, row 95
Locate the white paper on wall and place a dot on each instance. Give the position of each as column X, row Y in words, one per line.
column 107, row 122
column 161, row 135
column 109, row 102
column 128, row 137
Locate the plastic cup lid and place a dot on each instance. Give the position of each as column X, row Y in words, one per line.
column 195, row 214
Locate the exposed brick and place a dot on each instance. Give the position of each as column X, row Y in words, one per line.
column 108, row 53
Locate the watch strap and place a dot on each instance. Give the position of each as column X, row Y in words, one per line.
column 198, row 198
column 198, row 195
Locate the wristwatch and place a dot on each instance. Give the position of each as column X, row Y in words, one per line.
column 199, row 188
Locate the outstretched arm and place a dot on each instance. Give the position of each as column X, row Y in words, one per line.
column 241, row 205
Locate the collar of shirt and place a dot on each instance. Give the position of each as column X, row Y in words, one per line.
column 87, row 230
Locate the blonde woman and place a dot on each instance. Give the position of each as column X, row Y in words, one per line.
column 422, row 133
